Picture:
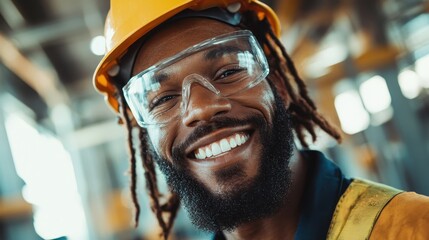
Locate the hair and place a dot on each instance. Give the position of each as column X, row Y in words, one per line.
column 283, row 76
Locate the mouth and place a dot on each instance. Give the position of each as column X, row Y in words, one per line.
column 222, row 146
column 218, row 143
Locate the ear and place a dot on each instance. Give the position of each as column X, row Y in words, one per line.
column 279, row 87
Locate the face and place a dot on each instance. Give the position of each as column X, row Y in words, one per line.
column 193, row 131
column 254, row 164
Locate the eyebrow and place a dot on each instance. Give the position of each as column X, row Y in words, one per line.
column 220, row 51
column 210, row 55
column 161, row 77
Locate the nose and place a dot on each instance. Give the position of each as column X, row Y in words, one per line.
column 203, row 105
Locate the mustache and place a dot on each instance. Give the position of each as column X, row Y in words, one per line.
column 218, row 123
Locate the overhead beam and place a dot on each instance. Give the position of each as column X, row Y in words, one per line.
column 42, row 81
column 96, row 134
column 32, row 37
column 371, row 60
column 11, row 14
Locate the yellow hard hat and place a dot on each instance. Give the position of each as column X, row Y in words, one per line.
column 129, row 20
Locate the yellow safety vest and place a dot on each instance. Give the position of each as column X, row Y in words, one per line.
column 371, row 210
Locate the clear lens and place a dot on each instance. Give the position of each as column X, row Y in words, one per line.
column 225, row 65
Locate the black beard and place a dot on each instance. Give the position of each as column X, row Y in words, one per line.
column 260, row 197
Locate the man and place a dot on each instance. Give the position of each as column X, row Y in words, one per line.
column 216, row 100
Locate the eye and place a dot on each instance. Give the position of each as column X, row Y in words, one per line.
column 229, row 72
column 161, row 100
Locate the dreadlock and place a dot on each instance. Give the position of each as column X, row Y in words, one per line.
column 173, row 203
column 151, row 184
column 303, row 111
column 132, row 154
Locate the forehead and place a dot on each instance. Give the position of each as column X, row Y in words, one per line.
column 175, row 37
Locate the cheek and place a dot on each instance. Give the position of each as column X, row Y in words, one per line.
column 260, row 97
column 159, row 137
column 267, row 97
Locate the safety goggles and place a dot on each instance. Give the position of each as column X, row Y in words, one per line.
column 224, row 65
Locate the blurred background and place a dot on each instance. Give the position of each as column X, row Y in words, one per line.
column 63, row 158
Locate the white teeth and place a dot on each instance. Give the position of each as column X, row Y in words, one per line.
column 201, row 154
column 208, row 152
column 224, row 145
column 232, row 143
column 216, row 149
column 238, row 139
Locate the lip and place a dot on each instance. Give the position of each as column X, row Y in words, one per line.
column 215, row 136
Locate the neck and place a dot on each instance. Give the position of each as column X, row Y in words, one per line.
column 283, row 224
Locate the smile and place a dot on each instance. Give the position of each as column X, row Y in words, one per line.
column 222, row 146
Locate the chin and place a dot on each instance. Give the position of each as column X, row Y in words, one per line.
column 231, row 172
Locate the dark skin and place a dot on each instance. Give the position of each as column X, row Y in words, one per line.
column 204, row 106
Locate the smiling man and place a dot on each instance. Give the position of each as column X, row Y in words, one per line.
column 217, row 102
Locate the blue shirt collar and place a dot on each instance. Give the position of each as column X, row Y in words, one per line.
column 325, row 185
